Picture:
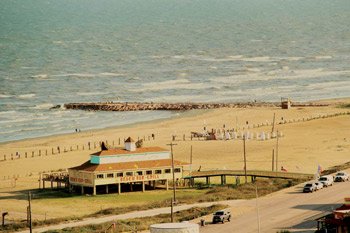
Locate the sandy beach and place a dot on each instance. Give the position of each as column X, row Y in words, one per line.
column 311, row 136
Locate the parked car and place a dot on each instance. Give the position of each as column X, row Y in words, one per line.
column 326, row 180
column 221, row 216
column 319, row 185
column 341, row 176
column 309, row 187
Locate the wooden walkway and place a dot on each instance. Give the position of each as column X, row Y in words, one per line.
column 60, row 178
column 250, row 173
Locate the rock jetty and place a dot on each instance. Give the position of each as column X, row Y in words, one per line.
column 127, row 106
column 142, row 106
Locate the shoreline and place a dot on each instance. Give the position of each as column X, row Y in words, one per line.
column 188, row 113
column 184, row 113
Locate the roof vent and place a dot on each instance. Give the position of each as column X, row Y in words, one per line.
column 103, row 146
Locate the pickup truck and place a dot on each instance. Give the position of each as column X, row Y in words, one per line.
column 326, row 180
column 341, row 176
column 221, row 216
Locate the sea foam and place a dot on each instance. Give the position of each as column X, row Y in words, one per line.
column 4, row 96
column 26, row 96
column 43, row 106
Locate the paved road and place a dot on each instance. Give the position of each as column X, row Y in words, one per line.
column 137, row 214
column 287, row 209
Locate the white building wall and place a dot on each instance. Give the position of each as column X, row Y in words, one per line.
column 130, row 146
column 175, row 228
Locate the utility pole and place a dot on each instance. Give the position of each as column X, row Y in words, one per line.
column 257, row 207
column 30, row 212
column 245, row 160
column 273, row 159
column 273, row 123
column 277, row 151
column 191, row 156
column 40, row 177
column 174, row 186
column 172, row 210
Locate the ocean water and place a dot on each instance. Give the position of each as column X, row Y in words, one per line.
column 60, row 51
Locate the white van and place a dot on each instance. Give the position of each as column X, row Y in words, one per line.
column 327, row 180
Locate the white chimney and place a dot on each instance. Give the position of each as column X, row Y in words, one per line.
column 130, row 144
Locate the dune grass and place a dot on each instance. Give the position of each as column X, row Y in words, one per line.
column 152, row 199
column 344, row 106
column 139, row 224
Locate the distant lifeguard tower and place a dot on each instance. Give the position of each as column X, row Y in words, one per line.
column 286, row 103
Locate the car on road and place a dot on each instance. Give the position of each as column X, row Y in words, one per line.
column 341, row 176
column 326, row 180
column 310, row 187
column 221, row 216
column 319, row 185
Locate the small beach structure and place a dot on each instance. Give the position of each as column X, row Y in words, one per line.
column 286, row 103
column 129, row 168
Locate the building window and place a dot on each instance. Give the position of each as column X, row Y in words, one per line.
column 158, row 171
column 99, row 176
column 129, row 174
column 177, row 170
column 110, row 175
column 167, row 170
column 120, row 174
column 139, row 173
column 149, row 172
